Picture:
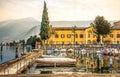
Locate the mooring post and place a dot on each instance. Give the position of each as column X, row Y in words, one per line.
column 20, row 64
column 17, row 66
column 8, row 70
column 16, row 56
column 4, row 71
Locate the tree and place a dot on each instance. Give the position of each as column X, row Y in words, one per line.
column 45, row 28
column 23, row 44
column 31, row 41
column 74, row 35
column 73, row 31
column 101, row 27
column 51, row 31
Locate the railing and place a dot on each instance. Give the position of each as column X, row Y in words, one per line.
column 64, row 75
column 80, row 46
column 4, row 65
column 19, row 64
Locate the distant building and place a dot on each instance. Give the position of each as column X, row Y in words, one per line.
column 84, row 35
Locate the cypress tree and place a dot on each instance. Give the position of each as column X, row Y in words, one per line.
column 44, row 30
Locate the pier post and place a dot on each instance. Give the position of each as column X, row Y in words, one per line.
column 16, row 55
column 4, row 71
column 17, row 66
column 1, row 49
column 20, row 64
column 8, row 70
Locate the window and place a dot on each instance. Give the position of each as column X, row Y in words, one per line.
column 62, row 36
column 88, row 35
column 118, row 35
column 56, row 36
column 56, row 42
column 89, row 42
column 111, row 35
column 68, row 43
column 81, row 35
column 68, row 35
column 62, row 42
column 76, row 43
column 94, row 35
column 76, row 35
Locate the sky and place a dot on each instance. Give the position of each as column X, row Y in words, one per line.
column 60, row 10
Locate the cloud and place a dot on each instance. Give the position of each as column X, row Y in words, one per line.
column 20, row 9
column 60, row 9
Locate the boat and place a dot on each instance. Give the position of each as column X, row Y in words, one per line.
column 55, row 61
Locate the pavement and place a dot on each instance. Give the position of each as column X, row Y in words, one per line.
column 63, row 75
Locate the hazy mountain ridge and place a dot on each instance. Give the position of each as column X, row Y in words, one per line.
column 70, row 23
column 23, row 28
column 74, row 23
column 31, row 32
column 15, row 29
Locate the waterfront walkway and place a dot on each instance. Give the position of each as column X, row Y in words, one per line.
column 18, row 65
column 63, row 75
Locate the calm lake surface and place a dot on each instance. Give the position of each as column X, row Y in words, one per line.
column 8, row 53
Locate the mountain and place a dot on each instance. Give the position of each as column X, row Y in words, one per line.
column 31, row 32
column 20, row 29
column 70, row 23
column 73, row 23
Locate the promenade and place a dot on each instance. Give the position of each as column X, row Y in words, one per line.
column 63, row 75
column 18, row 65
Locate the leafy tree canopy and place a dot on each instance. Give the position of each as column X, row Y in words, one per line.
column 101, row 27
column 31, row 40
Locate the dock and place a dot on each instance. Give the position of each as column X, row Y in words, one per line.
column 16, row 66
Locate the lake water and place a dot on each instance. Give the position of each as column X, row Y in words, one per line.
column 8, row 53
column 54, row 70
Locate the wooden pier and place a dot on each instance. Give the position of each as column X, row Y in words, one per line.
column 18, row 65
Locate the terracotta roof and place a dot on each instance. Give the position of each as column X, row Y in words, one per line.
column 116, row 25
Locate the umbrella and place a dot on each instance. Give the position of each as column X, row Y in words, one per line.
column 63, row 50
column 83, row 50
column 98, row 52
column 70, row 50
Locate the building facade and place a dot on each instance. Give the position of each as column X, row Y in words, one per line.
column 83, row 35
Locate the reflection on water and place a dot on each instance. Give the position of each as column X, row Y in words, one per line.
column 8, row 53
column 43, row 70
column 30, row 70
column 55, row 69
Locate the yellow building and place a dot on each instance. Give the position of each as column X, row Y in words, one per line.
column 83, row 35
